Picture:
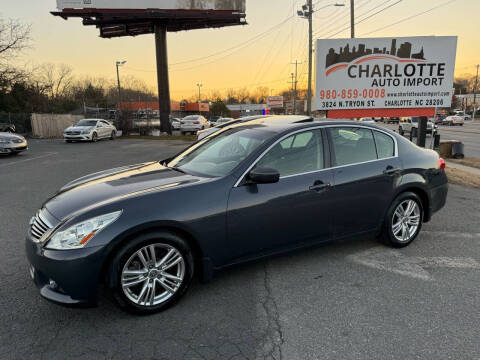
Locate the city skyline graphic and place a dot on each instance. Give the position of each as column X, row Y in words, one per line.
column 345, row 55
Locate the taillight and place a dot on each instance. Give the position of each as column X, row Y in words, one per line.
column 182, row 122
column 442, row 164
column 196, row 122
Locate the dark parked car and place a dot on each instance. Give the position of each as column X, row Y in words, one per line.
column 7, row 128
column 254, row 189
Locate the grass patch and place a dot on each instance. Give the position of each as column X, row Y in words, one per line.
column 463, row 178
column 472, row 162
column 174, row 137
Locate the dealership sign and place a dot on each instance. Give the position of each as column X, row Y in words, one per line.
column 275, row 102
column 385, row 73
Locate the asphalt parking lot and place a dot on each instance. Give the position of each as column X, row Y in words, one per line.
column 351, row 300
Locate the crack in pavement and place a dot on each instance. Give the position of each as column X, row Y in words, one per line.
column 274, row 333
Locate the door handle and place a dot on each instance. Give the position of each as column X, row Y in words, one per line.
column 319, row 186
column 390, row 170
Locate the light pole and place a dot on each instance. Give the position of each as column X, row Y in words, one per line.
column 199, row 85
column 352, row 18
column 475, row 95
column 118, row 64
column 307, row 13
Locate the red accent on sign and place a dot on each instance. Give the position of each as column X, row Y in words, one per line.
column 359, row 113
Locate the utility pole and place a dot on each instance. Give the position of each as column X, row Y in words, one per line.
column 199, row 96
column 295, row 82
column 475, row 95
column 307, row 13
column 118, row 64
column 293, row 91
column 352, row 17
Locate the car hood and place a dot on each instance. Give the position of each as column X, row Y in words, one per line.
column 79, row 128
column 115, row 184
column 10, row 136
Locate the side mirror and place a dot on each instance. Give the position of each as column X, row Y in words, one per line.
column 264, row 176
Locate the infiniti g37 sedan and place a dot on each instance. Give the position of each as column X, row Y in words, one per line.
column 255, row 189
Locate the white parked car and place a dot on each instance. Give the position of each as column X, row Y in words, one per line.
column 367, row 120
column 193, row 123
column 175, row 123
column 410, row 124
column 90, row 130
column 454, row 120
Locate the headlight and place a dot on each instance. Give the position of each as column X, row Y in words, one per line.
column 78, row 235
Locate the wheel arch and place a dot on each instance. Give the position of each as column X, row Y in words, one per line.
column 202, row 265
column 422, row 193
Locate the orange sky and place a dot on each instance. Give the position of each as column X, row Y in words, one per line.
column 265, row 62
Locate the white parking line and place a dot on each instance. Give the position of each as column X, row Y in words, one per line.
column 29, row 159
column 381, row 258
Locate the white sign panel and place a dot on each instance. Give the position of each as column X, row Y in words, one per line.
column 383, row 73
column 274, row 102
column 153, row 4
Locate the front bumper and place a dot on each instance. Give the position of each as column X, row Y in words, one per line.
column 13, row 148
column 69, row 278
column 87, row 137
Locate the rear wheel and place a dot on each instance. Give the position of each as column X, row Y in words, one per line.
column 151, row 273
column 403, row 220
column 113, row 135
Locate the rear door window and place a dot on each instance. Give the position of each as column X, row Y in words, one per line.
column 352, row 145
column 385, row 145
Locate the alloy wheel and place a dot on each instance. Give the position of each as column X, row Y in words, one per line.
column 153, row 274
column 406, row 220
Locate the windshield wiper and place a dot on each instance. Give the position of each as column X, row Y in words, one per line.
column 174, row 168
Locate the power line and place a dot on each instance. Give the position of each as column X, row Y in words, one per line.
column 247, row 42
column 366, row 18
column 411, row 17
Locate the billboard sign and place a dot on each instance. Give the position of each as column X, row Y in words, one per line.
column 275, row 102
column 232, row 5
column 385, row 73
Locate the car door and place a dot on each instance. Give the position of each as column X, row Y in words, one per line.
column 264, row 218
column 100, row 128
column 366, row 170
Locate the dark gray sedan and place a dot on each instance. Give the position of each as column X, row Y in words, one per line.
column 252, row 190
column 12, row 144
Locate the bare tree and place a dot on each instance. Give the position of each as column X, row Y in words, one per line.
column 55, row 80
column 14, row 38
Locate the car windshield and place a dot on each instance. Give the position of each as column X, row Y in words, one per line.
column 86, row 123
column 219, row 155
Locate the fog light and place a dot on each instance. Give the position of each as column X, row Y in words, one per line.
column 53, row 284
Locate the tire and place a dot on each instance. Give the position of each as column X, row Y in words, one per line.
column 94, row 137
column 113, row 135
column 400, row 131
column 399, row 237
column 414, row 132
column 126, row 259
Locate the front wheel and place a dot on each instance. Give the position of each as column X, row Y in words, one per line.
column 152, row 272
column 94, row 137
column 403, row 220
column 400, row 131
column 113, row 135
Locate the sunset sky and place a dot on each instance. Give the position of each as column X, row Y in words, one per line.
column 263, row 62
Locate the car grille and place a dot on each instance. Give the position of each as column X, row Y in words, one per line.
column 73, row 133
column 39, row 225
column 17, row 141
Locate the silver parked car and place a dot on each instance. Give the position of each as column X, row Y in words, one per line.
column 12, row 144
column 90, row 130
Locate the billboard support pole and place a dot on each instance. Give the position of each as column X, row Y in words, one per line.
column 164, row 104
